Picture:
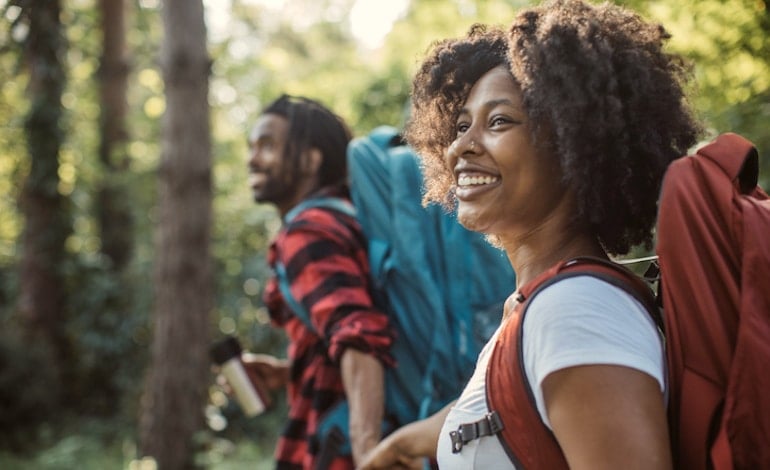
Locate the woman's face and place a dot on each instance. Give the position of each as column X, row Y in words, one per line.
column 505, row 185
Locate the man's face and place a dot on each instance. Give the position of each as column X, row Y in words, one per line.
column 267, row 145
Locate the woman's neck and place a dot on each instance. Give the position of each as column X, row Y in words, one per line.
column 533, row 252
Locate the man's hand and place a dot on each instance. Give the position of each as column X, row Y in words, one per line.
column 266, row 369
column 265, row 373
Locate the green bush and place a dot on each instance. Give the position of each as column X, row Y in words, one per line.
column 108, row 333
column 29, row 391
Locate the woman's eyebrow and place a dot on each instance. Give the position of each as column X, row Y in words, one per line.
column 492, row 104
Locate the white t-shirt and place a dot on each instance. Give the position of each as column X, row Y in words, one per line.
column 578, row 321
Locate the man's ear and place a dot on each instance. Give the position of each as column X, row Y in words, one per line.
column 311, row 161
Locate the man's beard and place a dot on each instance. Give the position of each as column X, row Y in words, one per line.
column 274, row 191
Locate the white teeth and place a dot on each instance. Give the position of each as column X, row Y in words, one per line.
column 476, row 180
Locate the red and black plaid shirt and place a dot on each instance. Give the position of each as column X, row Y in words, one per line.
column 324, row 253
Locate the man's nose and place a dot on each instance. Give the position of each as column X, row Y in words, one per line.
column 254, row 158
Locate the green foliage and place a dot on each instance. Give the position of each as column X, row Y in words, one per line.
column 729, row 45
column 108, row 337
column 77, row 443
column 382, row 95
column 385, row 100
column 83, row 452
column 11, row 165
column 229, row 424
column 29, row 389
column 89, row 445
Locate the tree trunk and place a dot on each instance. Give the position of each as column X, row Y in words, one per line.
column 114, row 214
column 179, row 370
column 42, row 296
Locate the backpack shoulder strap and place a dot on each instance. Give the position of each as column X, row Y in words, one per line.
column 526, row 440
column 608, row 271
column 332, row 203
column 620, row 277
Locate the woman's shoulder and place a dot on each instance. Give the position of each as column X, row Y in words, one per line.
column 584, row 291
column 591, row 309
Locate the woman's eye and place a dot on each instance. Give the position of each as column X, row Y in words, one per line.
column 497, row 121
column 462, row 127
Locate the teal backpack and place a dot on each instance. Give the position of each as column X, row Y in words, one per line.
column 442, row 285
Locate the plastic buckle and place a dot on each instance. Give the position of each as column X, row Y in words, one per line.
column 457, row 441
column 495, row 422
column 490, row 424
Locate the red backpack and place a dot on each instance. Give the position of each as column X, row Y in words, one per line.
column 714, row 254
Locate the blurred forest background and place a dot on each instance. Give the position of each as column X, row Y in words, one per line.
column 128, row 237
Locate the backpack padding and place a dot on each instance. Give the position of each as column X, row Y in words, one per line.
column 435, row 274
column 383, row 189
column 714, row 254
column 524, row 437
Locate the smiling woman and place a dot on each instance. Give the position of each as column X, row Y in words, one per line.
column 545, row 139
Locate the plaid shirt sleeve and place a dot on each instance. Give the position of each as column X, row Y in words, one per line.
column 324, row 253
column 326, row 262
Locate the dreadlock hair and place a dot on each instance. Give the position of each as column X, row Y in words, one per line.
column 612, row 102
column 313, row 125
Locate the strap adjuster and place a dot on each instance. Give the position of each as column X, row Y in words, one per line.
column 488, row 425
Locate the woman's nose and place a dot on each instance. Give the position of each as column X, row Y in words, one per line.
column 464, row 144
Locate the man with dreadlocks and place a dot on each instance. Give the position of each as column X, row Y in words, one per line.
column 298, row 153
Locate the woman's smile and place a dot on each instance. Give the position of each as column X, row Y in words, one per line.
column 471, row 184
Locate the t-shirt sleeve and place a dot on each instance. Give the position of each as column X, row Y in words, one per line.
column 583, row 320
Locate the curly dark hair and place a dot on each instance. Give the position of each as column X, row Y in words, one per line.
column 596, row 80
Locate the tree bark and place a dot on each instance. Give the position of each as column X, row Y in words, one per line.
column 46, row 221
column 114, row 214
column 175, row 393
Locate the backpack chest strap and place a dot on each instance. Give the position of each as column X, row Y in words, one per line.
column 488, row 425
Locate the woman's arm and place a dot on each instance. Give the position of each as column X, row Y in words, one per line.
column 409, row 445
column 608, row 417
